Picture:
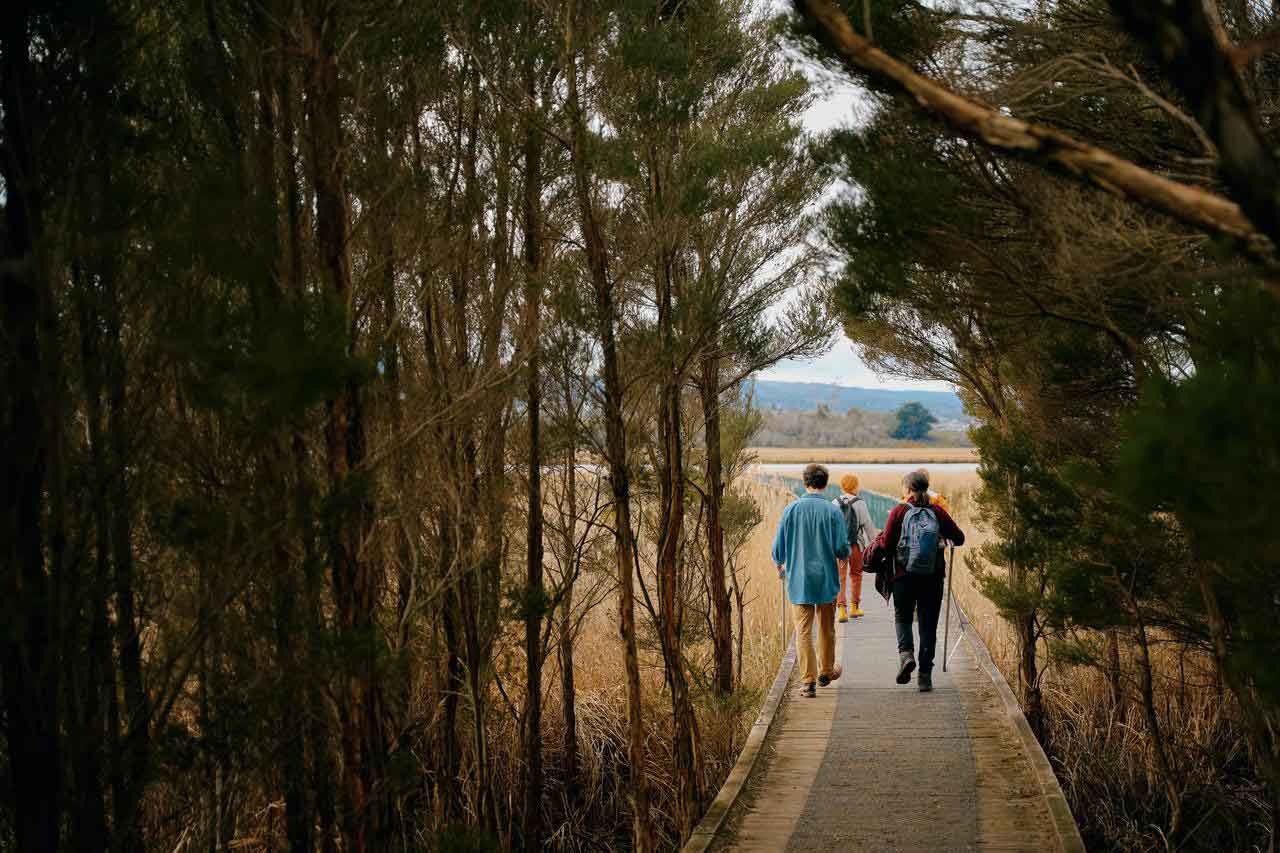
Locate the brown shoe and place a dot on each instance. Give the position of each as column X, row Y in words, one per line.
column 807, row 691
column 836, row 672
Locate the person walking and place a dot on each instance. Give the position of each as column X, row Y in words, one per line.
column 857, row 520
column 937, row 498
column 811, row 541
column 914, row 534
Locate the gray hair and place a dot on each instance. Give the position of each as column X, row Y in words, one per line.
column 917, row 482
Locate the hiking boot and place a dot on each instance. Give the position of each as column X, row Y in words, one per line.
column 843, row 615
column 808, row 691
column 836, row 672
column 924, row 681
column 855, row 611
column 907, row 661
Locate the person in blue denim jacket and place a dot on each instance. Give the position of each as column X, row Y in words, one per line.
column 811, row 541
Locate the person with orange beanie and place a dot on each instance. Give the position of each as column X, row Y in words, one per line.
column 861, row 533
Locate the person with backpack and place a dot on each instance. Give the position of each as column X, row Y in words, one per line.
column 810, row 544
column 914, row 535
column 937, row 498
column 857, row 520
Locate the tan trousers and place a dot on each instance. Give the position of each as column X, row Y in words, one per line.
column 809, row 667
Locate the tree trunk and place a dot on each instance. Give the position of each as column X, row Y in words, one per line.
column 28, row 660
column 739, row 597
column 1029, row 674
column 568, row 699
column 274, row 148
column 89, row 832
column 451, row 763
column 1024, row 629
column 297, row 813
column 137, row 717
column 670, row 533
column 1114, row 672
column 615, row 449
column 291, row 660
column 535, row 598
column 1159, row 748
column 569, row 569
column 721, row 606
column 354, row 577
column 319, row 725
column 317, row 729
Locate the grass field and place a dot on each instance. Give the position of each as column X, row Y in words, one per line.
column 864, row 455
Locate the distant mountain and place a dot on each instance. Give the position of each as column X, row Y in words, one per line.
column 806, row 396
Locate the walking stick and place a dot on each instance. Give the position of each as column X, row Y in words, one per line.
column 946, row 628
column 782, row 598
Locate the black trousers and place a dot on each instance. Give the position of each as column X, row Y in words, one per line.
column 920, row 596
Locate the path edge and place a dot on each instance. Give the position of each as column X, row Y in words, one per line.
column 1064, row 823
column 705, row 832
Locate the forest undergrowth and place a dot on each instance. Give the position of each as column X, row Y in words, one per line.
column 591, row 813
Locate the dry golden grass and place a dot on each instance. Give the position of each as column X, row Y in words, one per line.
column 600, row 679
column 598, row 659
column 764, row 643
column 863, row 455
column 1102, row 753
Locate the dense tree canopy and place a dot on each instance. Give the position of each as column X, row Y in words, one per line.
column 1085, row 326
column 913, row 422
column 358, row 359
column 315, row 316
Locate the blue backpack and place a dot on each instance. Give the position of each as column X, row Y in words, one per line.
column 919, row 542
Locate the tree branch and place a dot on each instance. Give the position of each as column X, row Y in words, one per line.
column 1187, row 39
column 1206, row 211
column 1246, row 51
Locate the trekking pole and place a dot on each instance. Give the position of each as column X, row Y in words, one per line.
column 782, row 599
column 946, row 628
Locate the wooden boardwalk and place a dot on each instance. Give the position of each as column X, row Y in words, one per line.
column 870, row 765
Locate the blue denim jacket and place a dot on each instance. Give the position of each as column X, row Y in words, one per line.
column 811, row 537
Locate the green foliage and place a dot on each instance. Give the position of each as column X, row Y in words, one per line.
column 907, row 29
column 1124, row 370
column 1205, row 451
column 270, row 368
column 914, row 422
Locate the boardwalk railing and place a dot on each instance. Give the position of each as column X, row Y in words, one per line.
column 877, row 504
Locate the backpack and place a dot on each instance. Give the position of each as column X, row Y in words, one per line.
column 850, row 519
column 920, row 540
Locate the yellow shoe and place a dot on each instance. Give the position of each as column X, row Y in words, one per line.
column 844, row 614
column 855, row 612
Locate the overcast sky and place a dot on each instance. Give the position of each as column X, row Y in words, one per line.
column 842, row 366
column 839, row 104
